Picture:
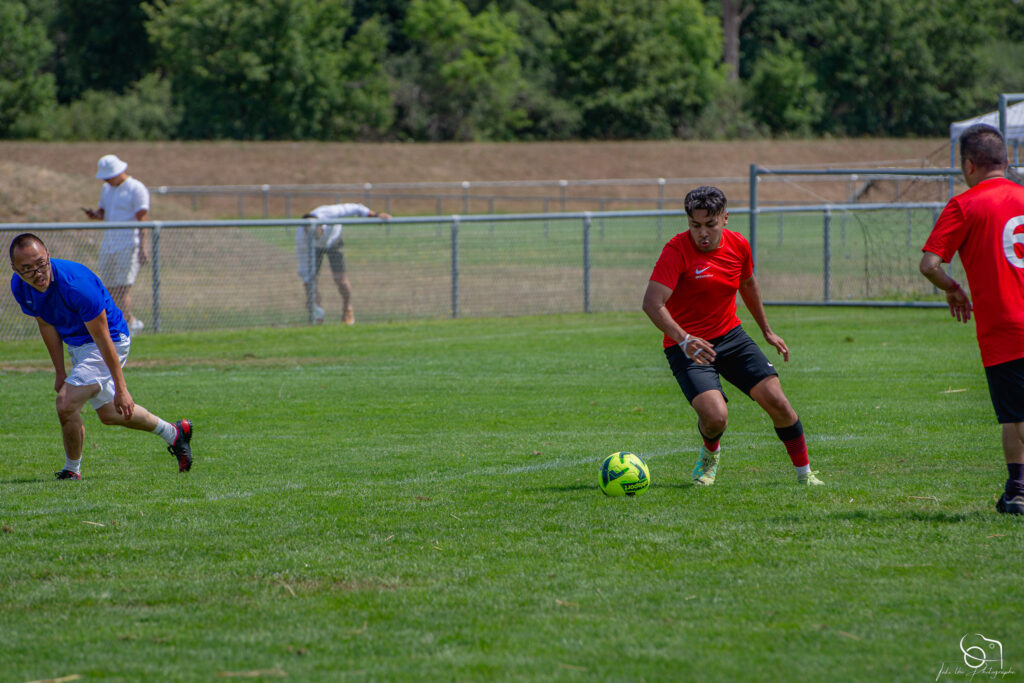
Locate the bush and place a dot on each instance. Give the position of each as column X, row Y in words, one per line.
column 145, row 112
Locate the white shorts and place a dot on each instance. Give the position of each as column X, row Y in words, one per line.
column 88, row 368
column 119, row 268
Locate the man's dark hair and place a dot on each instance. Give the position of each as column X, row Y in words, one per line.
column 23, row 240
column 983, row 146
column 705, row 198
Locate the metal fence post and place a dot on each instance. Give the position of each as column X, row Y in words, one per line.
column 827, row 256
column 455, row 266
column 155, row 249
column 265, row 190
column 563, row 184
column 465, row 196
column 586, row 263
column 753, row 214
column 661, row 204
column 311, row 255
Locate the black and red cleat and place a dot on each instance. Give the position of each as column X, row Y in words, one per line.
column 180, row 449
column 67, row 474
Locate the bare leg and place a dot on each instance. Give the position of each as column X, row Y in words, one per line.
column 712, row 413
column 123, row 300
column 316, row 295
column 768, row 394
column 1013, row 442
column 70, row 400
column 141, row 419
column 345, row 289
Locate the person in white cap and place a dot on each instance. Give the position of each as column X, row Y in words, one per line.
column 123, row 251
column 326, row 240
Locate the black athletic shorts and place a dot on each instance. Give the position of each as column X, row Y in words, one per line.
column 737, row 358
column 1006, row 387
column 335, row 258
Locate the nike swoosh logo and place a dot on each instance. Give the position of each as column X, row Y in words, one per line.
column 701, row 270
column 770, row 365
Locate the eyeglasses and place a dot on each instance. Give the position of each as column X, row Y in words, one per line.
column 30, row 272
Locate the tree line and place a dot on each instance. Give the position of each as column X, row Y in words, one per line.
column 434, row 70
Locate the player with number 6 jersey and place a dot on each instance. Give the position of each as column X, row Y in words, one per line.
column 985, row 226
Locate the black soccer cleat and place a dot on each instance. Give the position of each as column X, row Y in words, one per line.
column 180, row 449
column 67, row 474
column 1014, row 506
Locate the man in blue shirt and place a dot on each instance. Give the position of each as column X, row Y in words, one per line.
column 72, row 307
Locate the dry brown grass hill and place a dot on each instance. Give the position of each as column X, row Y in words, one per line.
column 50, row 181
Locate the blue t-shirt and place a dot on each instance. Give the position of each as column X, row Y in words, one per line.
column 75, row 296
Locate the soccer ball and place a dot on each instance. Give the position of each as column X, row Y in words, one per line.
column 624, row 474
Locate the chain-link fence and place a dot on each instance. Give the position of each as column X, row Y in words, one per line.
column 220, row 274
column 226, row 274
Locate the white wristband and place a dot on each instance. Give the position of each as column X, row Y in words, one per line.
column 683, row 344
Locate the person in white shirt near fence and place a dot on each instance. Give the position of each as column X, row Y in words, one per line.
column 327, row 241
column 123, row 251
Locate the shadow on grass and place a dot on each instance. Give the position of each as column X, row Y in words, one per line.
column 592, row 487
column 876, row 516
column 37, row 480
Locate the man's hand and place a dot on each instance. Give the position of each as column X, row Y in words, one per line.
column 776, row 341
column 59, row 381
column 92, row 213
column 959, row 304
column 123, row 403
column 700, row 351
column 143, row 257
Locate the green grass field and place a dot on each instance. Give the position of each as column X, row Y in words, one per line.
column 419, row 501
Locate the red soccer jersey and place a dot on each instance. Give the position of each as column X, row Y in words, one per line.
column 704, row 285
column 986, row 225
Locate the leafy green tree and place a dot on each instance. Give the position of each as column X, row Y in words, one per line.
column 784, row 92
column 144, row 112
column 894, row 67
column 100, row 45
column 462, row 77
column 637, row 68
column 272, row 69
column 25, row 90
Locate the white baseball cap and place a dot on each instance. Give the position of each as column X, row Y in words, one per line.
column 109, row 167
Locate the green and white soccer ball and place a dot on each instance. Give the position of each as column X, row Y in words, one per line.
column 624, row 474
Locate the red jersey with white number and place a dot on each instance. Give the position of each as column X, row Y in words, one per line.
column 985, row 225
column 703, row 285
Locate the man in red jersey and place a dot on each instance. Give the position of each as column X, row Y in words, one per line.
column 692, row 299
column 985, row 224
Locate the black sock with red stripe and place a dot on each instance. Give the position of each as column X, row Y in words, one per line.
column 1015, row 484
column 710, row 443
column 792, row 438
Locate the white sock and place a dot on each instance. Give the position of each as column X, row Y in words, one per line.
column 166, row 431
column 803, row 470
column 73, row 465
